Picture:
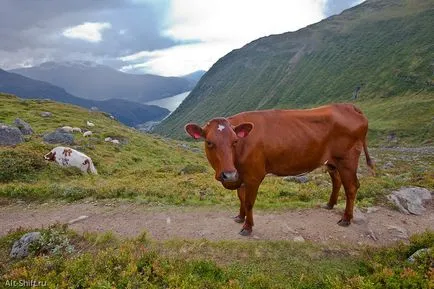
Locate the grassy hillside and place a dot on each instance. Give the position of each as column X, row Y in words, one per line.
column 385, row 47
column 133, row 169
column 154, row 170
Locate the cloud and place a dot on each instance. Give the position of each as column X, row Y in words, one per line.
column 88, row 31
column 31, row 32
column 216, row 28
column 169, row 37
column 178, row 60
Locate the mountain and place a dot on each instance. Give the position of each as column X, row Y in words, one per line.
column 99, row 82
column 130, row 113
column 195, row 76
column 383, row 49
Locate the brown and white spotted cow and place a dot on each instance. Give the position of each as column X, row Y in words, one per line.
column 244, row 148
column 68, row 157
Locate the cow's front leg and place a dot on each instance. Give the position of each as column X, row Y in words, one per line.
column 242, row 215
column 250, row 192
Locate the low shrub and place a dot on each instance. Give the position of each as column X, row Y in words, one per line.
column 19, row 165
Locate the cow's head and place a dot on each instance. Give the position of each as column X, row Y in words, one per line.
column 51, row 156
column 221, row 141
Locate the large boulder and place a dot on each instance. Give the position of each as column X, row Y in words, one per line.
column 20, row 249
column 23, row 126
column 59, row 137
column 10, row 136
column 410, row 200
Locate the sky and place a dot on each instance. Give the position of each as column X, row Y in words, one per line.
column 164, row 37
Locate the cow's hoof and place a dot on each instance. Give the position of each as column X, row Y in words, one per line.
column 245, row 232
column 344, row 223
column 238, row 219
column 327, row 206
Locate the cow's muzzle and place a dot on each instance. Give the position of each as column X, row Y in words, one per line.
column 229, row 177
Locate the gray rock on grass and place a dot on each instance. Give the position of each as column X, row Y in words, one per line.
column 10, row 136
column 23, row 126
column 59, row 137
column 410, row 200
column 20, row 249
column 418, row 254
column 298, row 179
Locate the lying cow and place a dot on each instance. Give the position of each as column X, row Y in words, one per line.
column 68, row 157
column 245, row 147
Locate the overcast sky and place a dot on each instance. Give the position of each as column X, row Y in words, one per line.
column 166, row 37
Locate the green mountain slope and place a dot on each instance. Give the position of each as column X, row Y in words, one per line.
column 385, row 47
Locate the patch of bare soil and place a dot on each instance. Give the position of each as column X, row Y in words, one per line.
column 376, row 226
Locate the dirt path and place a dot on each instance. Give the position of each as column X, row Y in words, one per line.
column 377, row 226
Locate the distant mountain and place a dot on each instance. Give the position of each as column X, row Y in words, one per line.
column 127, row 112
column 195, row 76
column 99, row 82
column 381, row 49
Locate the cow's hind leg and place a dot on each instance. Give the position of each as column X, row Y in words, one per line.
column 337, row 183
column 242, row 215
column 348, row 172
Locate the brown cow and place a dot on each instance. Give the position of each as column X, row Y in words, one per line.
column 245, row 147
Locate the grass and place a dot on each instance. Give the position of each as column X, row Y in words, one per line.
column 103, row 261
column 154, row 170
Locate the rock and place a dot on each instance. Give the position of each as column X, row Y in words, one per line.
column 371, row 210
column 398, row 232
column 410, row 200
column 358, row 217
column 418, row 254
column 46, row 114
column 59, row 137
column 298, row 179
column 108, row 139
column 388, row 165
column 372, row 235
column 66, row 128
column 298, row 239
column 115, row 141
column 77, row 219
column 10, row 136
column 76, row 129
column 94, row 108
column 20, row 249
column 23, row 126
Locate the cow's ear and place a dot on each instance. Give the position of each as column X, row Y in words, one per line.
column 194, row 130
column 243, row 130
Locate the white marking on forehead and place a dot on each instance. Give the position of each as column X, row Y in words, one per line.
column 221, row 127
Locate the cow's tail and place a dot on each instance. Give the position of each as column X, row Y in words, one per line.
column 92, row 168
column 369, row 161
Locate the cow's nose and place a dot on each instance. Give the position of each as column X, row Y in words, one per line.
column 229, row 176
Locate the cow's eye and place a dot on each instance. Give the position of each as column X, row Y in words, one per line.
column 235, row 142
column 209, row 144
